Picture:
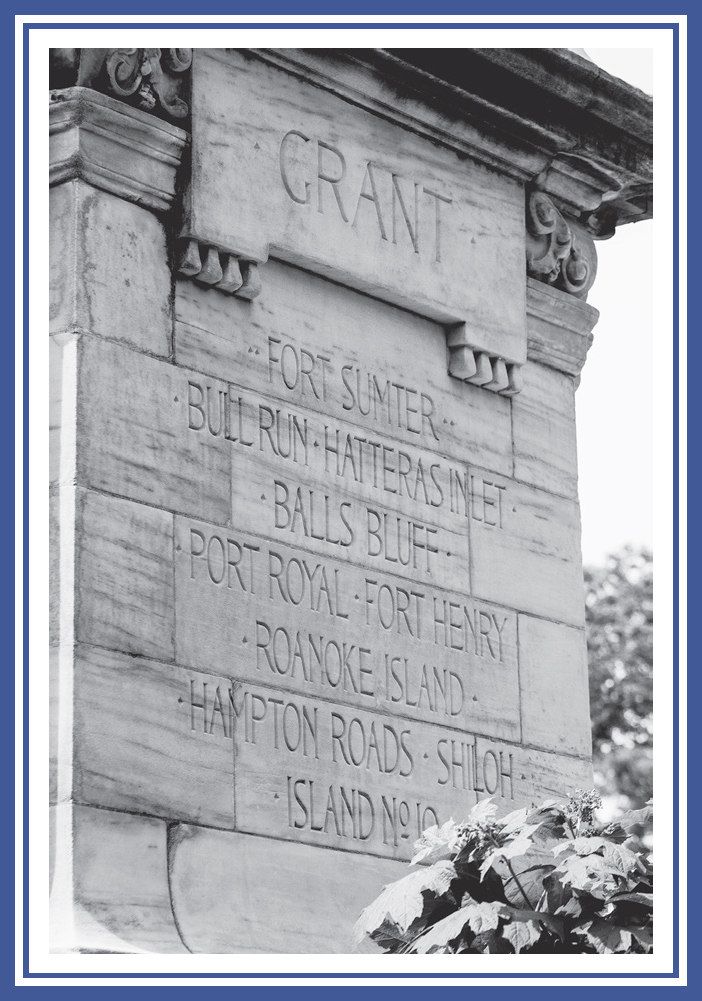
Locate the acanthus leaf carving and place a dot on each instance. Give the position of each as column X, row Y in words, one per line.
column 151, row 79
column 558, row 252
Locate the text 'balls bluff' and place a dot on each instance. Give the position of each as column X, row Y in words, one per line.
column 317, row 320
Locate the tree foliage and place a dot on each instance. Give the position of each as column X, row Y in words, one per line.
column 544, row 880
column 619, row 616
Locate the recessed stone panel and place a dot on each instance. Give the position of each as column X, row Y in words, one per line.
column 317, row 484
column 311, row 771
column 317, row 181
column 268, row 613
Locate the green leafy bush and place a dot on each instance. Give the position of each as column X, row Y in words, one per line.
column 540, row 880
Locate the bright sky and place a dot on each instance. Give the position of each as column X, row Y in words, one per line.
column 614, row 400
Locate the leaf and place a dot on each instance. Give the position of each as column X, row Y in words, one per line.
column 572, row 908
column 485, row 915
column 516, row 848
column 645, row 899
column 489, row 942
column 387, row 937
column 550, row 921
column 484, row 809
column 438, row 937
column 581, row 846
column 615, row 833
column 403, row 902
column 632, row 818
column 513, row 821
column 605, row 936
column 436, row 843
column 623, row 858
column 522, row 934
column 530, row 870
column 480, row 917
column 586, row 872
column 643, row 934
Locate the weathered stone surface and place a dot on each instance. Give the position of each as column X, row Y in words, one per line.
column 262, row 703
column 521, row 112
column 135, row 748
column 117, row 877
column 134, row 438
column 234, row 893
column 112, row 147
column 109, row 268
column 559, row 327
column 52, row 844
column 554, row 686
column 316, row 485
column 256, row 610
column 54, row 577
column 55, row 394
column 320, row 773
column 306, row 341
column 326, row 185
column 53, row 722
column 195, row 747
column 525, row 550
column 125, row 583
column 543, row 431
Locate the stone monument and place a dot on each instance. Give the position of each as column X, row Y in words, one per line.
column 317, row 321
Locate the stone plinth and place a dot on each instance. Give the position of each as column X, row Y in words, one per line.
column 315, row 526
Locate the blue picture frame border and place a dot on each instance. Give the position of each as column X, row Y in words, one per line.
column 695, row 531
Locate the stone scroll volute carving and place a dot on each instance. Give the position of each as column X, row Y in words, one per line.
column 558, row 251
column 151, row 79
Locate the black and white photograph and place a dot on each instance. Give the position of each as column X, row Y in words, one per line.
column 351, row 557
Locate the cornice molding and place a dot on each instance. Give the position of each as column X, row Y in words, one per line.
column 113, row 146
column 545, row 115
column 559, row 328
column 153, row 80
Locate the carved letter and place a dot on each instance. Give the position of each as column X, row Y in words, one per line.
column 283, row 173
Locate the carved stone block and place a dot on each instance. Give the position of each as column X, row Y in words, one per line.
column 307, row 322
column 313, row 513
column 319, row 182
column 109, row 268
column 554, row 686
column 141, row 747
column 543, row 431
column 125, row 589
column 134, row 439
column 525, row 548
column 310, row 625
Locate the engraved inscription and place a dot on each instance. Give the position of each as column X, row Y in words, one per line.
column 259, row 610
column 362, row 392
column 338, row 776
column 400, row 210
column 365, row 691
column 325, row 486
